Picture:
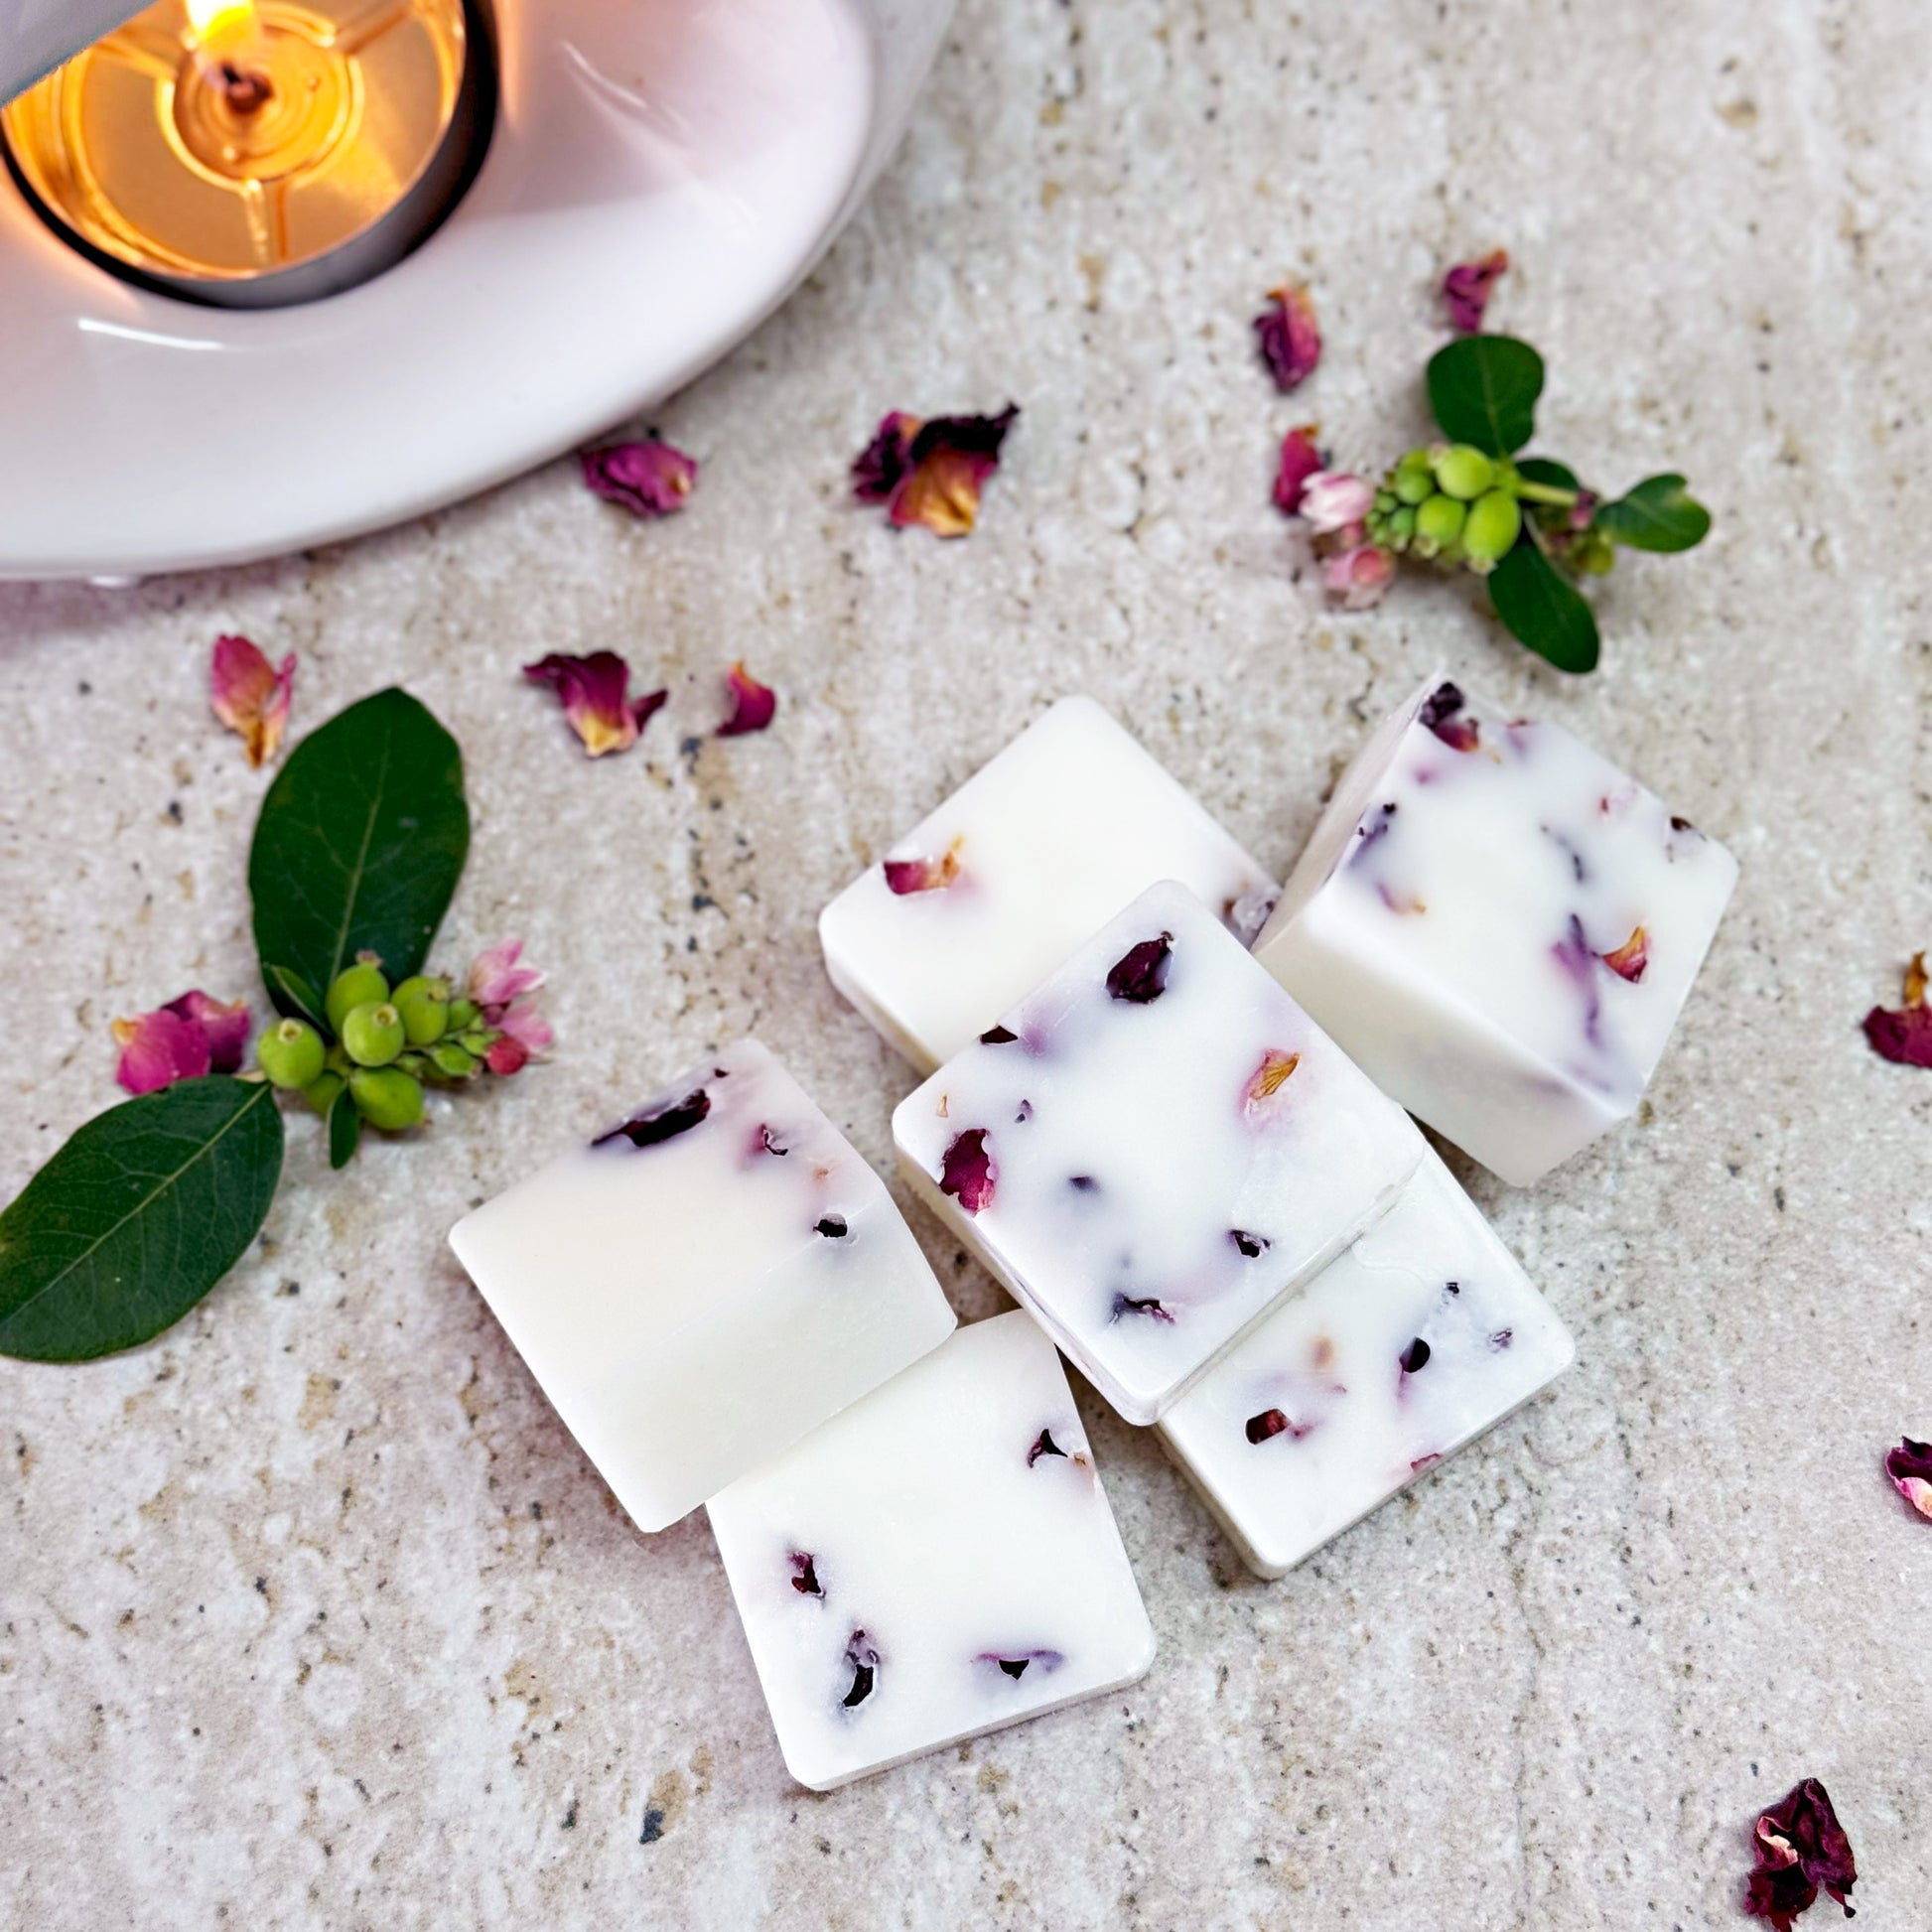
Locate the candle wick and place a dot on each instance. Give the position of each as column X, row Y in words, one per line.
column 243, row 91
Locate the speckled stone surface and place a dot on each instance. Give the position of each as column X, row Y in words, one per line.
column 312, row 1615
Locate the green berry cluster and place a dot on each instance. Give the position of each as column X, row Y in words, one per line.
column 382, row 1044
column 1451, row 503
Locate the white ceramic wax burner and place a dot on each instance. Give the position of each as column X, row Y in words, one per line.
column 274, row 274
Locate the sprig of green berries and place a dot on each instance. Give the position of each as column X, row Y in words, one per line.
column 1449, row 502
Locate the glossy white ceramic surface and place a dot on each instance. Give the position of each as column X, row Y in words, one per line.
column 661, row 177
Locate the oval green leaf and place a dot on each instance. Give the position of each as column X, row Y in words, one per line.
column 1483, row 390
column 1546, row 469
column 344, row 1130
column 1543, row 610
column 1659, row 514
column 136, row 1219
column 360, row 846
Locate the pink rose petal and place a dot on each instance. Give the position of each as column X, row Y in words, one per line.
column 1289, row 336
column 497, row 977
column 596, row 705
column 185, row 1040
column 1301, row 460
column 250, row 696
column 1468, row 287
column 648, row 477
column 1909, row 1466
column 904, row 876
column 752, row 703
column 932, row 471
column 967, row 1173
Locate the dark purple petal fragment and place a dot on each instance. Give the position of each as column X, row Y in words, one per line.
column 997, row 1036
column 1440, row 713
column 1084, row 1183
column 663, row 1123
column 968, row 1172
column 1250, row 1245
column 1141, row 972
column 1015, row 1664
column 1909, row 1466
column 1147, row 1304
column 1289, row 336
column 1044, row 1445
column 647, row 478
column 1415, row 1357
column 1572, row 953
column 1903, row 1034
column 862, row 1656
column 1268, row 1424
column 1373, row 827
column 904, row 876
column 1468, row 287
column 932, row 471
column 832, row 1226
column 1299, row 461
column 804, row 1573
column 1501, row 1339
column 1800, row 1848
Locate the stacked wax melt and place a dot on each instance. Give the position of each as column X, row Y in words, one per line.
column 1187, row 1161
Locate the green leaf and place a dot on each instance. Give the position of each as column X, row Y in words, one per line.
column 136, row 1219
column 1544, row 610
column 293, row 993
column 1659, row 514
column 1541, row 470
column 344, row 1130
column 1483, row 390
column 360, row 846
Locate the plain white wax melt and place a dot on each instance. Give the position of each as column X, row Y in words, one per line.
column 1154, row 1148
column 1499, row 926
column 986, row 896
column 701, row 1286
column 934, row 1563
column 1422, row 1337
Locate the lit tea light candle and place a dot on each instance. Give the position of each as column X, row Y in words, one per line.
column 251, row 153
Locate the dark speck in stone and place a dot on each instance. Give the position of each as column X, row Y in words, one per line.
column 654, row 1826
column 174, row 810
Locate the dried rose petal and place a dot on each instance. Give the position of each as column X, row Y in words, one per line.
column 1468, row 287
column 1141, row 972
column 863, row 1657
column 1289, row 336
column 1903, row 1034
column 594, row 693
column 906, row 875
column 1044, row 1445
column 649, row 479
column 1572, row 953
column 1148, row 1305
column 250, row 696
column 1272, row 1422
column 753, row 705
column 834, row 1227
column 932, row 471
column 1438, row 713
column 1414, row 1358
column 1630, row 959
column 1251, row 1246
column 1301, row 460
column 190, row 1037
column 804, row 1574
column 663, row 1123
column 998, row 1036
column 1270, row 1076
column 968, row 1172
column 1015, row 1663
column 1800, row 1847
column 1910, row 1468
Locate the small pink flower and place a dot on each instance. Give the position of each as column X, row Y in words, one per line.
column 1300, row 460
column 527, row 1027
column 497, row 978
column 1909, row 1466
column 1333, row 499
column 1468, row 287
column 594, row 692
column 192, row 1035
column 1357, row 578
column 649, row 479
column 1289, row 336
column 250, row 696
column 753, row 705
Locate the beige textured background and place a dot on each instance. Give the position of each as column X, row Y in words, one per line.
column 312, row 1615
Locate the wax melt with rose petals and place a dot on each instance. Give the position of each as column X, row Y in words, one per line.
column 1499, row 926
column 1422, row 1337
column 1154, row 1148
column 936, row 1563
column 993, row 890
column 704, row 1284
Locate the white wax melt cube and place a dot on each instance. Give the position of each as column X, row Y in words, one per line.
column 1154, row 1148
column 1422, row 1337
column 701, row 1286
column 985, row 897
column 937, row 1561
column 1499, row 926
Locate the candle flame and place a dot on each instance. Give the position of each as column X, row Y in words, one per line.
column 220, row 19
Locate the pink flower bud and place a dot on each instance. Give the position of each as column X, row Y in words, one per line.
column 1333, row 499
column 1357, row 578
